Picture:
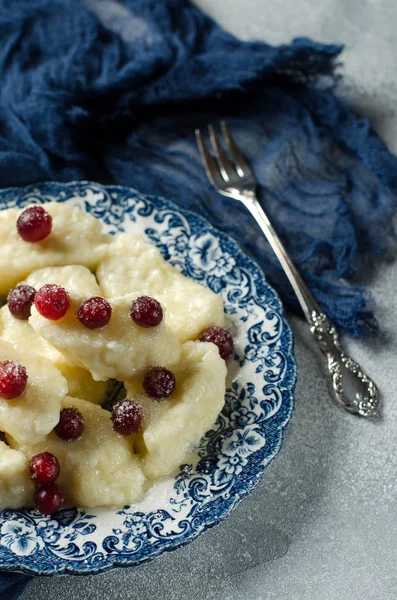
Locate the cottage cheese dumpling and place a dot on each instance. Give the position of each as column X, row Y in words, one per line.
column 133, row 265
column 119, row 350
column 173, row 427
column 99, row 469
column 72, row 277
column 69, row 364
column 80, row 280
column 81, row 383
column 76, row 238
column 33, row 415
column 21, row 334
column 16, row 486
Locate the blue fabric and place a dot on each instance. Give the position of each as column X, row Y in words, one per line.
column 113, row 92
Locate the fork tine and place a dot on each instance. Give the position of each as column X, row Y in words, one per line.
column 224, row 163
column 210, row 164
column 239, row 160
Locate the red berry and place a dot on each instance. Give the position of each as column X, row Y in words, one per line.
column 221, row 338
column 34, row 224
column 48, row 499
column 146, row 311
column 127, row 417
column 20, row 301
column 94, row 312
column 13, row 379
column 44, row 468
column 159, row 383
column 52, row 301
column 71, row 424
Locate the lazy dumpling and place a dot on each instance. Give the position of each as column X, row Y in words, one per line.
column 76, row 238
column 100, row 468
column 16, row 486
column 32, row 415
column 173, row 427
column 119, row 350
column 72, row 277
column 132, row 265
column 20, row 333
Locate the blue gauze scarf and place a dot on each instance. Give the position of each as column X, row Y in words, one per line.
column 113, row 91
column 117, row 100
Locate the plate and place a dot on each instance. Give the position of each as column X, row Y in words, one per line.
column 231, row 458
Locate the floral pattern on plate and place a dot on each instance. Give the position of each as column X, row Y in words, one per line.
column 231, row 458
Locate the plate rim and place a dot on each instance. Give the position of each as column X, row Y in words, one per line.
column 117, row 560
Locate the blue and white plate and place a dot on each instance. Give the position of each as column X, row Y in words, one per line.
column 231, row 458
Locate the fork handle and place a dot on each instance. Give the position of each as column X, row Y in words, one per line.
column 353, row 390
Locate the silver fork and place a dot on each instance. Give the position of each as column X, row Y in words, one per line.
column 353, row 390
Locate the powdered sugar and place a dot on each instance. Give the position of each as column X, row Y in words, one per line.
column 94, row 313
column 52, row 301
column 13, row 379
column 34, row 224
column 127, row 417
column 20, row 301
column 11, row 368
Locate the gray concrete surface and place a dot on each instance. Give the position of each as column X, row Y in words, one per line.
column 323, row 524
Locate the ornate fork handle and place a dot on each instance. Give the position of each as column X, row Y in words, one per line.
column 353, row 390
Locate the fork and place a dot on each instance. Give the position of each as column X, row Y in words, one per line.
column 353, row 390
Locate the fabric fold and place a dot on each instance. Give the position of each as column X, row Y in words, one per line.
column 113, row 91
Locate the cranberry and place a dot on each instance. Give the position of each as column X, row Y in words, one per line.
column 159, row 383
column 94, row 312
column 20, row 301
column 44, row 468
column 127, row 417
column 221, row 338
column 71, row 424
column 13, row 379
column 146, row 311
column 34, row 224
column 52, row 301
column 48, row 499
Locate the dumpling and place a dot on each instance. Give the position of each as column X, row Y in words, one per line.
column 76, row 238
column 72, row 277
column 33, row 415
column 100, row 468
column 119, row 350
column 16, row 487
column 132, row 265
column 21, row 334
column 174, row 426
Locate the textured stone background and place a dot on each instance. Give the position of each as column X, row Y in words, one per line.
column 323, row 524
